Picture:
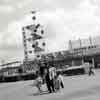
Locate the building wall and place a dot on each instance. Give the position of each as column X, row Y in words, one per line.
column 86, row 50
column 81, row 43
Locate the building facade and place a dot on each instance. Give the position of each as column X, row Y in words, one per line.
column 85, row 50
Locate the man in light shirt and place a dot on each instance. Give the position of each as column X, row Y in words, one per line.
column 52, row 74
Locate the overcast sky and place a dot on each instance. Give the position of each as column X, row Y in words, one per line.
column 64, row 20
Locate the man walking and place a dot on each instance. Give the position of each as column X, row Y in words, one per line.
column 48, row 82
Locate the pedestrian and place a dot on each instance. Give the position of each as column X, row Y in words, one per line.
column 38, row 83
column 91, row 71
column 60, row 78
column 52, row 74
column 47, row 79
column 59, row 83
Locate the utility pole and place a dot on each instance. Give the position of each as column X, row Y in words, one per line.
column 81, row 51
column 72, row 52
column 91, row 44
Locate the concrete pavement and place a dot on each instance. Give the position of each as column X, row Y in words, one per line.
column 80, row 87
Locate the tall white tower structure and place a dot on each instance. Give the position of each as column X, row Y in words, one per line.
column 33, row 39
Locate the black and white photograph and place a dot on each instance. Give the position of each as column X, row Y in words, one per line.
column 49, row 49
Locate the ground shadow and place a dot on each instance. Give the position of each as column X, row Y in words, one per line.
column 81, row 93
column 41, row 93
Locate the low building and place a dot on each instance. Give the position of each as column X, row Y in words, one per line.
column 10, row 69
column 85, row 50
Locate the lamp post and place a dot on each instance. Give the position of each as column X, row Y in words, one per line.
column 72, row 52
column 93, row 62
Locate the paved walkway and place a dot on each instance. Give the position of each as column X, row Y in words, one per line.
column 81, row 87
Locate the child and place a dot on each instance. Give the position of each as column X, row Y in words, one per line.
column 38, row 83
column 59, row 81
column 56, row 83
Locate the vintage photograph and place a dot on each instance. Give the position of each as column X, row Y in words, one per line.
column 49, row 49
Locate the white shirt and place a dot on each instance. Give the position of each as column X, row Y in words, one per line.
column 52, row 72
column 60, row 78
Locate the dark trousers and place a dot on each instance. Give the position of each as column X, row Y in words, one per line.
column 62, row 85
column 48, row 86
column 52, row 85
column 91, row 72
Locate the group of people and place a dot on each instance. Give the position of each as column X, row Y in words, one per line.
column 50, row 77
column 53, row 79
